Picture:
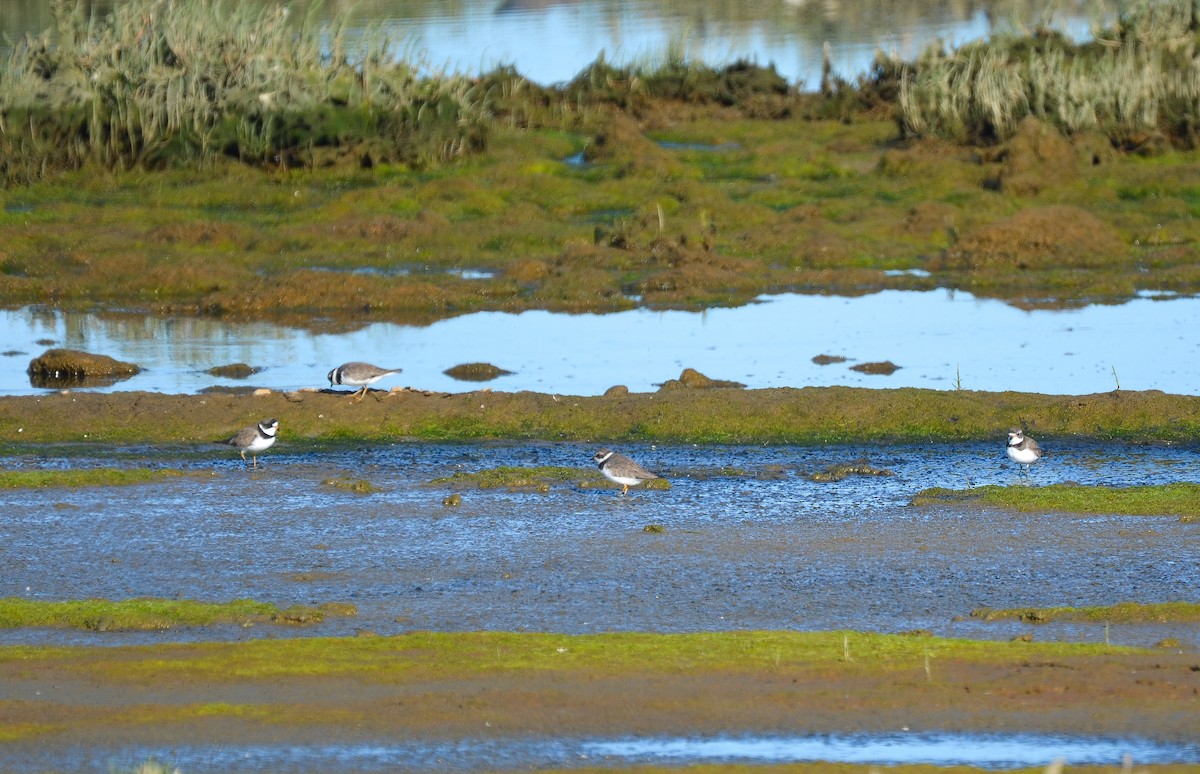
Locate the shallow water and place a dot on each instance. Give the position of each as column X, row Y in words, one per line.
column 940, row 339
column 983, row 751
column 749, row 542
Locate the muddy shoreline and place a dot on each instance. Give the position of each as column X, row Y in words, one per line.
column 809, row 416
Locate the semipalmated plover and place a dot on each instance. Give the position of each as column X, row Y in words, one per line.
column 1022, row 449
column 359, row 375
column 621, row 470
column 254, row 439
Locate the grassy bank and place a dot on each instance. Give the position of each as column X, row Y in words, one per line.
column 812, row 415
column 463, row 655
column 1182, row 500
column 38, row 479
column 1123, row 613
column 155, row 614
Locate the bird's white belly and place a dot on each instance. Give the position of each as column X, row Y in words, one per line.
column 623, row 480
column 260, row 444
column 1022, row 456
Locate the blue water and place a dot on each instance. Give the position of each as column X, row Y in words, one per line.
column 749, row 541
column 987, row 751
column 940, row 339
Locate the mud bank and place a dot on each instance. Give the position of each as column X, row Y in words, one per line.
column 811, row 415
column 496, row 685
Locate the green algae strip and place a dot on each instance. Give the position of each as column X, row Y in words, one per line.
column 1122, row 613
column 155, row 614
column 446, row 655
column 1182, row 500
column 39, row 479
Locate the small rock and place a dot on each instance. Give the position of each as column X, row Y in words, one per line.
column 66, row 367
column 261, row 391
column 475, row 372
column 616, row 390
column 452, row 501
column 828, row 359
column 691, row 379
column 886, row 368
column 233, row 371
column 698, row 381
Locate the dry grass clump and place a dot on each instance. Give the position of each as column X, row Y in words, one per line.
column 1133, row 82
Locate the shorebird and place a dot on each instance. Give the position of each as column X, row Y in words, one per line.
column 1022, row 449
column 622, row 470
column 358, row 374
column 254, row 439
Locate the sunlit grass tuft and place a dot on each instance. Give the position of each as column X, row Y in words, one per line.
column 38, row 479
column 1182, row 500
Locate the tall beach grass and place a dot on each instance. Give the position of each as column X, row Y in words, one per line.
column 1139, row 77
column 157, row 83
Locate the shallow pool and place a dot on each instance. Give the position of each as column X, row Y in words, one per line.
column 939, row 339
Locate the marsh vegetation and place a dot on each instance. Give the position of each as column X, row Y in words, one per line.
column 300, row 175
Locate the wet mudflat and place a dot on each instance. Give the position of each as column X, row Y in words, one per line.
column 747, row 541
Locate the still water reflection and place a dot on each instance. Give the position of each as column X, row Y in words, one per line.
column 474, row 35
column 940, row 340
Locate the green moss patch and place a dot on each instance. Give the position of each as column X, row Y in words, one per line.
column 1182, row 500
column 447, row 655
column 35, row 479
column 1122, row 613
column 154, row 614
column 514, row 477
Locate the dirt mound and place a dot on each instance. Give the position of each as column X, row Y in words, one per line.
column 622, row 142
column 1036, row 157
column 67, row 367
column 1037, row 238
column 691, row 379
